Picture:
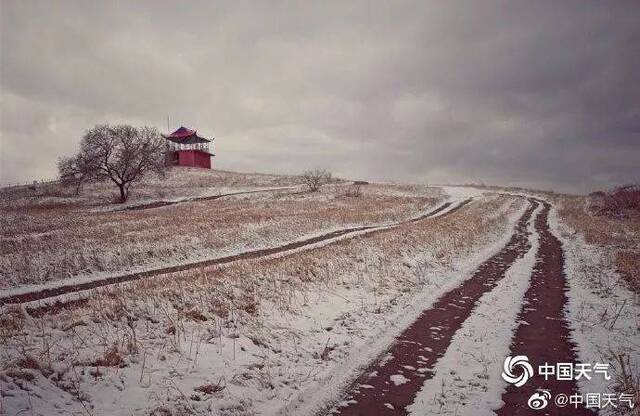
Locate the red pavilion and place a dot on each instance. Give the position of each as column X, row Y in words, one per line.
column 186, row 148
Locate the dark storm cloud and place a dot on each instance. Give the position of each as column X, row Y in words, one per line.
column 538, row 93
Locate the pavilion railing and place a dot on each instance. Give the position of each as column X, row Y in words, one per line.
column 173, row 147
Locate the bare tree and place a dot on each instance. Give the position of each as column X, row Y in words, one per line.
column 76, row 171
column 315, row 178
column 354, row 191
column 122, row 153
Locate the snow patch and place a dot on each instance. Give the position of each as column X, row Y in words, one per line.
column 398, row 379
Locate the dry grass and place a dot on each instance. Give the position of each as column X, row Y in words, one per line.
column 11, row 321
column 170, row 317
column 618, row 235
column 627, row 378
column 620, row 203
column 627, row 263
column 43, row 242
column 179, row 182
column 111, row 358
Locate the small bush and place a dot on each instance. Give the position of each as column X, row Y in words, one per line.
column 28, row 362
column 11, row 320
column 210, row 388
column 617, row 203
column 111, row 358
column 354, row 191
column 195, row 315
column 249, row 303
column 314, row 179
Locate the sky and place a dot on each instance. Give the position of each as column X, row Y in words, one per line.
column 541, row 94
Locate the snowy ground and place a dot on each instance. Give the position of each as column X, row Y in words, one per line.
column 301, row 334
column 604, row 314
column 453, row 200
column 284, row 335
column 437, row 281
column 44, row 243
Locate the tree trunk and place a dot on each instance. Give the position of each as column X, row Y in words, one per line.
column 79, row 186
column 123, row 192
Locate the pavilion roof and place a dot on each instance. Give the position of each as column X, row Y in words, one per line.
column 185, row 135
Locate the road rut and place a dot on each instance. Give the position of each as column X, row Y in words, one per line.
column 390, row 384
column 543, row 335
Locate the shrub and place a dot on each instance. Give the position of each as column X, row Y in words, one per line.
column 314, row 179
column 618, row 202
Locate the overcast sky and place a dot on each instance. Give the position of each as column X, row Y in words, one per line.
column 534, row 93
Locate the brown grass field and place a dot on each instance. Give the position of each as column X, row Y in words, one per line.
column 53, row 238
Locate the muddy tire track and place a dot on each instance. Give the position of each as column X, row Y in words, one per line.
column 43, row 294
column 390, row 384
column 543, row 334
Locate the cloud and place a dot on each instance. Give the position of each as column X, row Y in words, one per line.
column 541, row 94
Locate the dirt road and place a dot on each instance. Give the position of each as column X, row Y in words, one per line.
column 391, row 383
column 543, row 334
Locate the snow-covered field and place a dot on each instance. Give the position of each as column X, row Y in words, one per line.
column 287, row 334
column 271, row 327
column 603, row 312
column 43, row 243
